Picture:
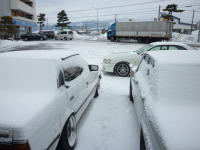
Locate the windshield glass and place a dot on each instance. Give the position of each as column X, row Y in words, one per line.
column 143, row 49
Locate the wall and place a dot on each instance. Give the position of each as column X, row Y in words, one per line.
column 5, row 9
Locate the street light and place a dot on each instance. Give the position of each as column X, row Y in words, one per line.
column 97, row 18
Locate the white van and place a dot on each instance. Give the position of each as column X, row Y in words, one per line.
column 65, row 35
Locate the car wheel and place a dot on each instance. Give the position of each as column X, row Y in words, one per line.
column 26, row 39
column 122, row 69
column 140, row 40
column 41, row 39
column 142, row 142
column 130, row 93
column 65, row 38
column 68, row 136
column 56, row 38
column 70, row 39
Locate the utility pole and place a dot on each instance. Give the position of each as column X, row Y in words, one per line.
column 159, row 13
column 47, row 24
column 192, row 22
column 97, row 19
column 199, row 34
column 115, row 18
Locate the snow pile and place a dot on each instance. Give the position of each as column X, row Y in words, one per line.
column 5, row 45
column 185, row 38
column 172, row 104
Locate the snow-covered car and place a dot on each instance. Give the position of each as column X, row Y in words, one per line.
column 43, row 95
column 165, row 91
column 65, row 35
column 118, row 63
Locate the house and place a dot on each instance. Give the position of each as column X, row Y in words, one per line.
column 181, row 27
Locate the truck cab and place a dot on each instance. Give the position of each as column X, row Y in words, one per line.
column 111, row 32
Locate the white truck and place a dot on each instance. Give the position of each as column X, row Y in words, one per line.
column 43, row 95
column 146, row 31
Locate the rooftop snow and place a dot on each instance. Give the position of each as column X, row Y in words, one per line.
column 176, row 57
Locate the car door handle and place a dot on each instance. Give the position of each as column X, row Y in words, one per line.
column 71, row 98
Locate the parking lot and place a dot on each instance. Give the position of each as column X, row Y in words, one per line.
column 110, row 121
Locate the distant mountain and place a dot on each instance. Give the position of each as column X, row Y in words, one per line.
column 91, row 25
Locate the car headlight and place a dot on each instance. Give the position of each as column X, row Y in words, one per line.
column 106, row 61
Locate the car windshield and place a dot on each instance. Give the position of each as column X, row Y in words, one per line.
column 143, row 49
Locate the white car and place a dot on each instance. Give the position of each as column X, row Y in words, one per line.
column 65, row 35
column 118, row 63
column 165, row 91
column 43, row 96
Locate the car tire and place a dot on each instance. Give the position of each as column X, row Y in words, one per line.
column 122, row 69
column 65, row 38
column 68, row 137
column 41, row 39
column 56, row 38
column 26, row 39
column 130, row 93
column 142, row 142
column 140, row 40
column 97, row 89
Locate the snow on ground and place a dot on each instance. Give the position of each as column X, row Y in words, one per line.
column 110, row 122
column 7, row 44
column 189, row 39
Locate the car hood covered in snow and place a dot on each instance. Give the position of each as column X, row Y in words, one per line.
column 122, row 56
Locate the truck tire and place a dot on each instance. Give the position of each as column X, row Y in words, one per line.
column 140, row 40
column 68, row 137
column 147, row 40
column 112, row 39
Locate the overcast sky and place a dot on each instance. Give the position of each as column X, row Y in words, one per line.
column 142, row 10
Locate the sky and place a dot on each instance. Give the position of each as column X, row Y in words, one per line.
column 123, row 10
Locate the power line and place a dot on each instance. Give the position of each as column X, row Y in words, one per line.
column 121, row 5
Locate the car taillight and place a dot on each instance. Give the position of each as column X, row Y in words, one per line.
column 15, row 146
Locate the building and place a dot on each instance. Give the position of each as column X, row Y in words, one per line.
column 181, row 27
column 23, row 13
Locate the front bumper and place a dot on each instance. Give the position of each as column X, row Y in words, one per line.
column 108, row 67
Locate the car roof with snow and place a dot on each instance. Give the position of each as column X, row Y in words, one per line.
column 168, row 43
column 170, row 88
column 176, row 57
column 38, row 54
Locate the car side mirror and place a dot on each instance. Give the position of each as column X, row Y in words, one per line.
column 94, row 67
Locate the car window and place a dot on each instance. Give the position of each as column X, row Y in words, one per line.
column 143, row 49
column 74, row 67
column 180, row 47
column 156, row 48
column 72, row 73
column 70, row 32
column 65, row 32
column 173, row 47
column 164, row 47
